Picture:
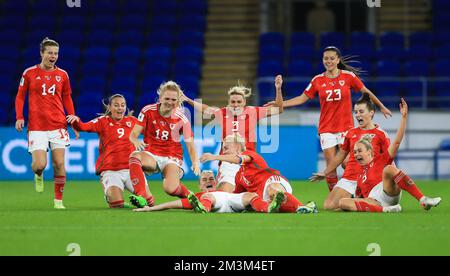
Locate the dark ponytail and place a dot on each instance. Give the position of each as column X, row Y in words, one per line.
column 365, row 99
column 344, row 60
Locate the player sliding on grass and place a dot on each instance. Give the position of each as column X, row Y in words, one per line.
column 380, row 183
column 113, row 128
column 237, row 117
column 217, row 201
column 346, row 187
column 255, row 176
column 49, row 97
column 163, row 123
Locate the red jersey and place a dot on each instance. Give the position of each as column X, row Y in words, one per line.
column 372, row 174
column 335, row 100
column 253, row 175
column 380, row 144
column 245, row 124
column 114, row 146
column 49, row 94
column 161, row 134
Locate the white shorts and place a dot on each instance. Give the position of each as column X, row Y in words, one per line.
column 347, row 185
column 329, row 140
column 163, row 161
column 276, row 179
column 384, row 199
column 120, row 179
column 43, row 140
column 227, row 202
column 227, row 173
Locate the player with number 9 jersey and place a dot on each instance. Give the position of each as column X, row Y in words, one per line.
column 113, row 128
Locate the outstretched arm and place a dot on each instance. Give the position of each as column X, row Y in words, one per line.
column 134, row 137
column 277, row 107
column 393, row 147
column 386, row 112
column 230, row 158
column 335, row 162
column 176, row 204
column 197, row 106
column 193, row 155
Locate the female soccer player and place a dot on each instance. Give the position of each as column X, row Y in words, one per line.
column 255, row 176
column 346, row 187
column 237, row 117
column 161, row 150
column 333, row 87
column 380, row 183
column 215, row 201
column 113, row 128
column 49, row 95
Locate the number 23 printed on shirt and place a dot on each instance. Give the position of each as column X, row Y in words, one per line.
column 333, row 95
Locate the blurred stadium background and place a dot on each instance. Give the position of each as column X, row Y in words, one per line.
column 132, row 46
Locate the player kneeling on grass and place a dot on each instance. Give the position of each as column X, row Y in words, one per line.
column 380, row 183
column 255, row 176
column 113, row 128
column 211, row 200
column 163, row 124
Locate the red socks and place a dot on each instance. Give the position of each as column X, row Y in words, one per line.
column 116, row 204
column 137, row 177
column 60, row 181
column 332, row 180
column 259, row 205
column 290, row 205
column 404, row 182
column 181, row 191
column 363, row 206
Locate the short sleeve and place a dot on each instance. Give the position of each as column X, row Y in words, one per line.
column 311, row 90
column 346, row 145
column 253, row 155
column 356, row 83
column 142, row 118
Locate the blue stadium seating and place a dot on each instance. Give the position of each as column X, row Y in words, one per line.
column 392, row 39
column 43, row 22
column 423, row 53
column 36, row 36
column 163, row 23
column 445, row 144
column 303, row 53
column 192, row 23
column 71, row 52
column 191, row 38
column 362, row 53
column 300, row 68
column 125, row 85
column 336, row 39
column 131, row 53
column 130, row 37
column 271, row 52
column 155, row 67
column 302, row 39
column 160, row 38
column 272, row 39
column 442, row 68
column 163, row 54
column 103, row 22
column 97, row 84
column 132, row 21
column 70, row 37
column 95, row 67
column 189, row 53
column 101, row 54
column 194, row 7
column 101, row 37
column 269, row 69
column 187, row 68
column 126, row 68
column 189, row 85
column 362, row 39
column 389, row 92
column 442, row 52
column 166, row 7
column 441, row 38
column 12, row 22
column 388, row 68
column 10, row 53
column 295, row 88
column 391, row 53
column 424, row 39
column 417, row 68
column 73, row 22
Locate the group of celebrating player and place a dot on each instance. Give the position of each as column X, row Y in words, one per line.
column 371, row 182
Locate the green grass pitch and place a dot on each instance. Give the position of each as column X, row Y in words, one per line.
column 30, row 226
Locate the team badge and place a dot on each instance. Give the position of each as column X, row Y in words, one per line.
column 58, row 78
column 342, row 82
column 172, row 126
column 128, row 124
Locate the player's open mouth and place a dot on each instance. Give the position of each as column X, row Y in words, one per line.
column 209, row 186
column 360, row 121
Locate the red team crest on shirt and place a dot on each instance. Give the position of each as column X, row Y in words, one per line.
column 342, row 82
column 128, row 124
column 58, row 78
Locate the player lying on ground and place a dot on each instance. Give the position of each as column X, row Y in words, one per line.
column 113, row 128
column 255, row 176
column 161, row 152
column 216, row 201
column 380, row 183
column 238, row 117
column 346, row 187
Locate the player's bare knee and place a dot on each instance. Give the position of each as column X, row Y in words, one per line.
column 390, row 170
column 330, row 204
column 38, row 167
column 58, row 166
column 136, row 154
column 345, row 204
